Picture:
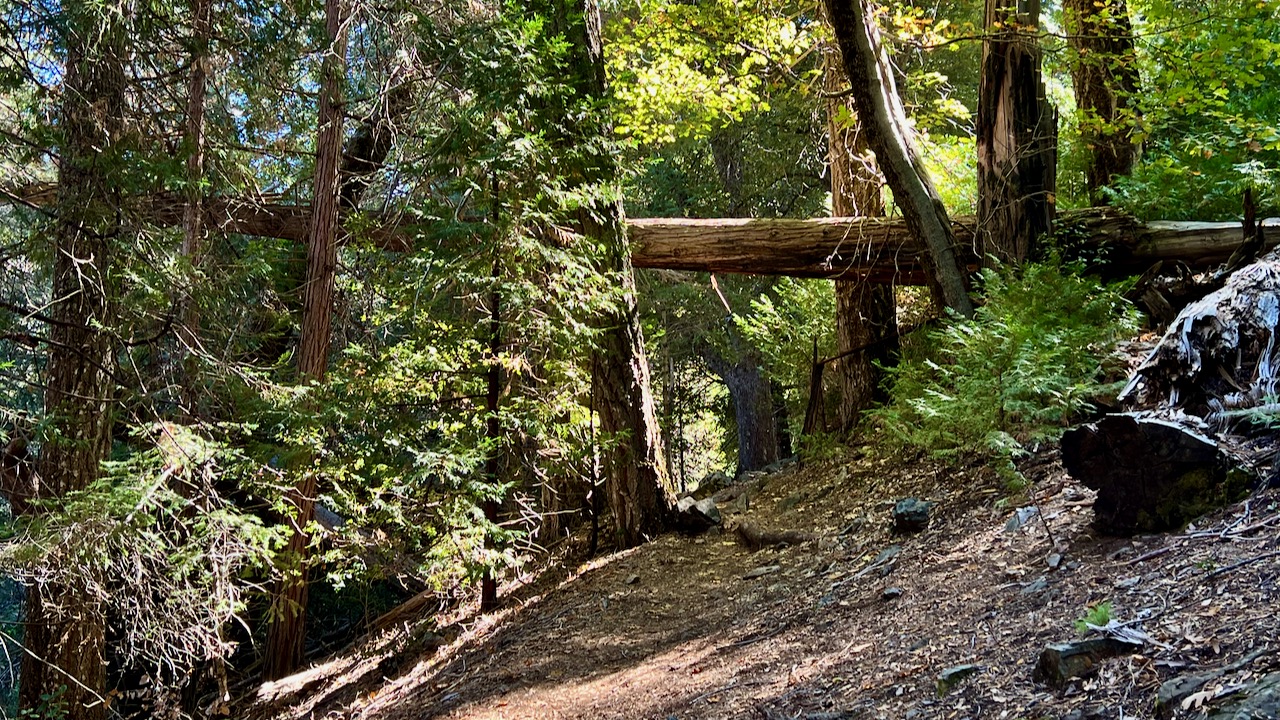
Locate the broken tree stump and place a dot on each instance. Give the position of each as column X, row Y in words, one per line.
column 1151, row 474
column 1191, row 443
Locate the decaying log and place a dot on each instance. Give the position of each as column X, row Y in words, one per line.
column 1152, row 474
column 1189, row 446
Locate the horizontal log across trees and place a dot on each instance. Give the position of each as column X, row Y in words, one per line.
column 878, row 248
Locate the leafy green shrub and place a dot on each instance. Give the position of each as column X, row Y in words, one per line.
column 1019, row 371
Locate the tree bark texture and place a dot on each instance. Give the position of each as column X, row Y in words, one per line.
column 286, row 635
column 866, row 312
column 1190, row 445
column 883, row 248
column 193, row 214
column 889, row 135
column 64, row 631
column 752, row 396
column 1104, row 74
column 636, row 482
column 1016, row 134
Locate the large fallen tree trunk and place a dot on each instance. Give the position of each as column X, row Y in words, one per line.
column 881, row 248
column 1205, row 412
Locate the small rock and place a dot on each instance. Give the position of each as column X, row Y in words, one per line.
column 1127, row 583
column 952, row 676
column 891, row 593
column 828, row 600
column 1053, row 560
column 911, row 515
column 761, row 571
column 1021, row 517
column 790, row 502
column 1040, row 584
column 1060, row 662
column 696, row 516
column 750, row 476
column 631, row 580
column 713, row 481
column 739, row 505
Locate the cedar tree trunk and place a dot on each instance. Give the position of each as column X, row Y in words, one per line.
column 1017, row 135
column 866, row 312
column 1105, row 77
column 875, row 97
column 636, row 481
column 64, row 632
column 752, row 396
column 287, row 632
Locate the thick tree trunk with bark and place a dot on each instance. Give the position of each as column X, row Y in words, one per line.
column 636, row 482
column 1104, row 74
column 284, row 649
column 875, row 96
column 866, row 312
column 63, row 630
column 1016, row 135
column 752, row 396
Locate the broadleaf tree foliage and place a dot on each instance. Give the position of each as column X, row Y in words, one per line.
column 194, row 452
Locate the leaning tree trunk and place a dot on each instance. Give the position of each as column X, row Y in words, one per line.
column 866, row 312
column 285, row 637
column 1104, row 74
column 636, row 481
column 875, row 97
column 64, row 630
column 1016, row 134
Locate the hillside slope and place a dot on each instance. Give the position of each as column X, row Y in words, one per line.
column 858, row 623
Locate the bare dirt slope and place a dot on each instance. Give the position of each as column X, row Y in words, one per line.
column 677, row 629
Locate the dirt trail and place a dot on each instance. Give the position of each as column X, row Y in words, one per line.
column 676, row 629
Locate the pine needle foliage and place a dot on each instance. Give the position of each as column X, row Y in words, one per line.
column 1026, row 365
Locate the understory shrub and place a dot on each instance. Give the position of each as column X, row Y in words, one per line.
column 1028, row 362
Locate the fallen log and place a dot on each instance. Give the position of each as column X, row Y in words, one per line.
column 880, row 248
column 1203, row 408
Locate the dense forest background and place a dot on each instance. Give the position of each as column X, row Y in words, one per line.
column 307, row 309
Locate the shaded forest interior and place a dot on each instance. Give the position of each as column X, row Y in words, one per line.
column 321, row 318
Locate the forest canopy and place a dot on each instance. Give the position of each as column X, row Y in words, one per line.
column 331, row 305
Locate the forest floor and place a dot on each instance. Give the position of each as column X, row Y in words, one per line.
column 678, row 628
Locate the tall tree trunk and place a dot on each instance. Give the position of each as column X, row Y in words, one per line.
column 752, row 396
column 1017, row 135
column 875, row 97
column 193, row 213
column 866, row 312
column 285, row 637
column 636, row 481
column 493, row 431
column 1104, row 73
column 64, row 632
